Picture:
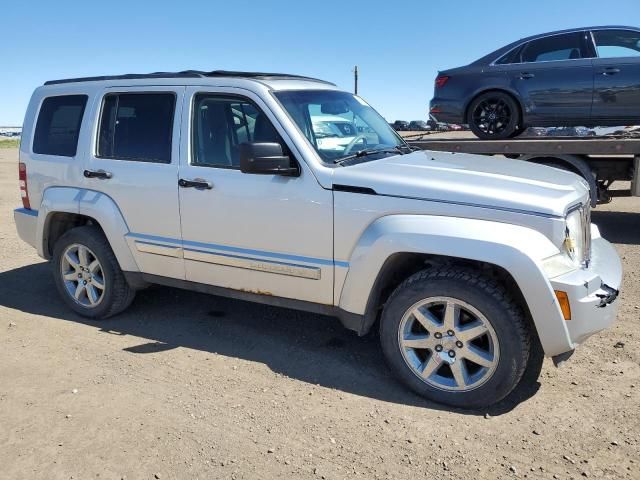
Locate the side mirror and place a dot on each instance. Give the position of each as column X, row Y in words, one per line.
column 265, row 159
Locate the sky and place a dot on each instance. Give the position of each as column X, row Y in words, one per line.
column 398, row 46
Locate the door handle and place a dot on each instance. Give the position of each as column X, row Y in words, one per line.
column 526, row 76
column 610, row 71
column 101, row 174
column 197, row 183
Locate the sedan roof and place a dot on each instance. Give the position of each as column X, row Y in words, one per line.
column 497, row 53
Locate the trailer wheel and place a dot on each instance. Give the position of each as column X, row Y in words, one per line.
column 578, row 165
column 494, row 116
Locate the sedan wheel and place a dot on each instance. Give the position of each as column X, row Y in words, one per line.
column 494, row 115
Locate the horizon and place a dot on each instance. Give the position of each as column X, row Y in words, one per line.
column 397, row 60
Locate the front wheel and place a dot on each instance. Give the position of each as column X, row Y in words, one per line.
column 494, row 116
column 87, row 274
column 455, row 337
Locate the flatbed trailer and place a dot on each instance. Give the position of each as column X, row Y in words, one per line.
column 601, row 161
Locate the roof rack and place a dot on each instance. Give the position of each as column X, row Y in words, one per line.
column 189, row 74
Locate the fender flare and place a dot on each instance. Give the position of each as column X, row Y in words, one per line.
column 89, row 203
column 516, row 249
column 577, row 162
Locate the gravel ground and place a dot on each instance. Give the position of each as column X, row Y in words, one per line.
column 185, row 385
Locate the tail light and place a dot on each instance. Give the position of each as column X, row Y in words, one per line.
column 441, row 80
column 22, row 177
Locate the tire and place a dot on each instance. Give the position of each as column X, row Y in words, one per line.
column 494, row 116
column 88, row 243
column 505, row 347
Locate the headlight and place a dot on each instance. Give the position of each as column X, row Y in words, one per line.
column 577, row 242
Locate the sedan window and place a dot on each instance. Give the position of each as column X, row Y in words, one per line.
column 557, row 47
column 512, row 56
column 617, row 43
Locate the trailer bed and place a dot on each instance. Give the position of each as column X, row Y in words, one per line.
column 534, row 145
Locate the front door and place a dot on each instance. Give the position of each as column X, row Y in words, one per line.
column 134, row 161
column 616, row 77
column 265, row 234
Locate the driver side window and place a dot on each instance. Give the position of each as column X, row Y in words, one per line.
column 617, row 43
column 220, row 124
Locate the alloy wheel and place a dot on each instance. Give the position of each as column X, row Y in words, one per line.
column 448, row 344
column 82, row 275
column 492, row 116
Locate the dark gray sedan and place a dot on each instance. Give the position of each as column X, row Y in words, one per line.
column 580, row 77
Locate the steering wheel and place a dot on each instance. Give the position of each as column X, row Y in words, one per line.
column 352, row 143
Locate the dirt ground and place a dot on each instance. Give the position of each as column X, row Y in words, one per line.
column 185, row 385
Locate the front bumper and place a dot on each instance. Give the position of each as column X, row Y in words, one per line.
column 26, row 224
column 592, row 292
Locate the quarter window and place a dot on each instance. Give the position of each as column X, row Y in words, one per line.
column 557, row 47
column 137, row 126
column 513, row 56
column 58, row 125
column 221, row 124
column 617, row 43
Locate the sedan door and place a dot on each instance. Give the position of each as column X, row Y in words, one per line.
column 264, row 234
column 554, row 78
column 616, row 77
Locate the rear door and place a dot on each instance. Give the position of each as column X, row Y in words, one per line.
column 264, row 234
column 134, row 160
column 616, row 77
column 554, row 78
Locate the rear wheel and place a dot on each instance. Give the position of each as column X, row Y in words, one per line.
column 87, row 274
column 494, row 116
column 455, row 337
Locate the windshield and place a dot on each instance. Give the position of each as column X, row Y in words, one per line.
column 338, row 124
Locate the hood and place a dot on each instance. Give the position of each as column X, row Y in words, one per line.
column 477, row 180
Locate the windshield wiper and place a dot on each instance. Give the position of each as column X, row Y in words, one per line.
column 363, row 153
column 408, row 147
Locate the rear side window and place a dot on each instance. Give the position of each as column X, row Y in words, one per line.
column 617, row 43
column 137, row 126
column 557, row 47
column 58, row 125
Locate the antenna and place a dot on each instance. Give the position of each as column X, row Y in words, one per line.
column 355, row 80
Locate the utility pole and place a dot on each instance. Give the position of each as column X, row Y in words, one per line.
column 355, row 79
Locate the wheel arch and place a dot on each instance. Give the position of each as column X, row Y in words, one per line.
column 63, row 208
column 401, row 265
column 57, row 223
column 399, row 245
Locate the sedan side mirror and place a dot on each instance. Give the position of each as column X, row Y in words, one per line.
column 265, row 159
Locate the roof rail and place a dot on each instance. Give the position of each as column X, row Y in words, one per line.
column 227, row 73
column 187, row 74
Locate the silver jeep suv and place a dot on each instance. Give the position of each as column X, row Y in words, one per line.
column 285, row 190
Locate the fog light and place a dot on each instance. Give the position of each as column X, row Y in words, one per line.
column 563, row 300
